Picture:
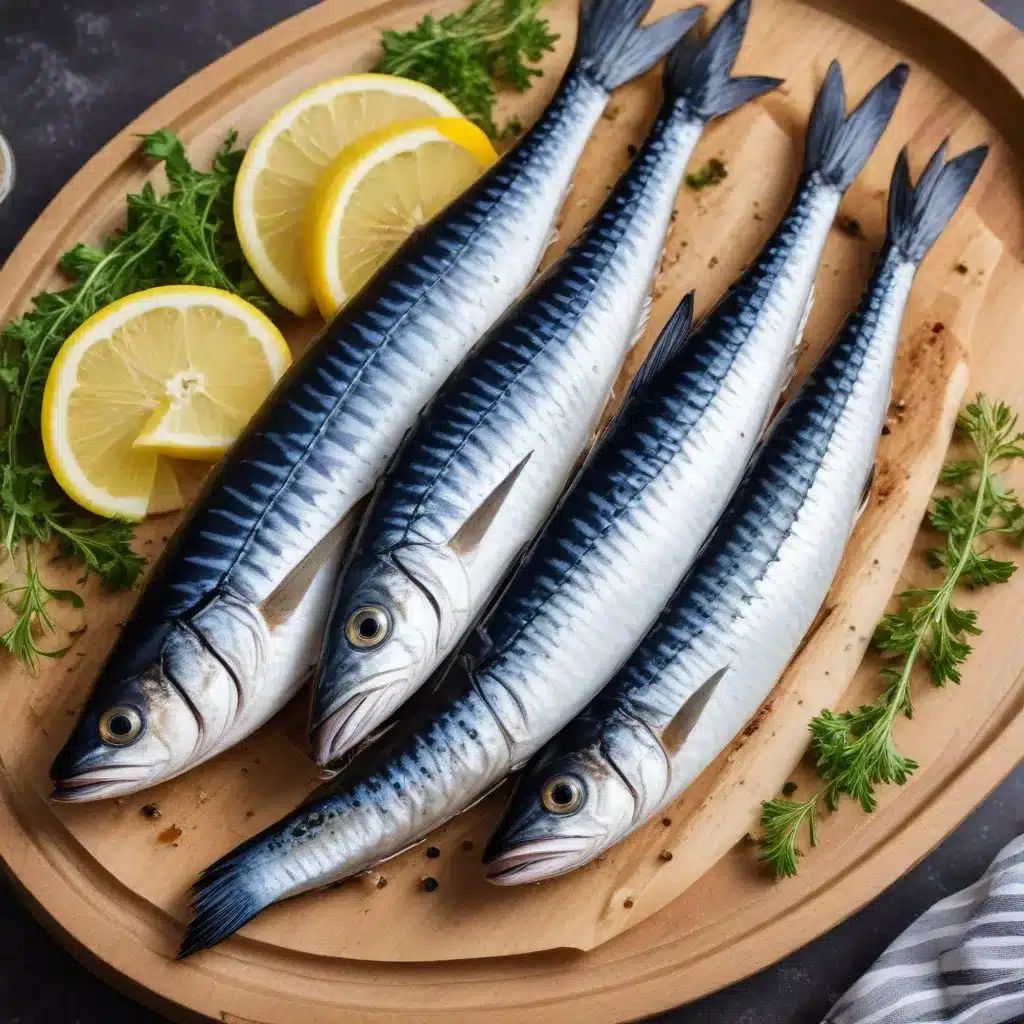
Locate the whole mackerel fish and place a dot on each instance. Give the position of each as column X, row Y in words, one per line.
column 653, row 488
column 489, row 458
column 461, row 738
column 231, row 621
column 739, row 615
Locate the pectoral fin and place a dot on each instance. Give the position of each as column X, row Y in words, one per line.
column 468, row 536
column 280, row 604
column 675, row 734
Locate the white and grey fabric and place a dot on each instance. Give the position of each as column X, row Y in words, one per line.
column 962, row 961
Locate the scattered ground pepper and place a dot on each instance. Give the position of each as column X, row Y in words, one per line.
column 467, row 845
column 150, row 811
column 169, row 835
column 432, row 852
column 712, row 263
column 714, row 172
column 381, row 882
column 429, row 884
column 631, row 150
column 850, row 226
column 938, row 328
column 665, row 855
column 628, row 903
column 789, row 788
column 961, row 268
column 666, row 822
column 885, row 430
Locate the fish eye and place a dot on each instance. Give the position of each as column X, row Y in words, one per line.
column 120, row 726
column 563, row 794
column 368, row 627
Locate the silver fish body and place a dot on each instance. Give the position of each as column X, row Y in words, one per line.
column 653, row 489
column 212, row 648
column 735, row 621
column 512, row 423
column 523, row 409
column 459, row 742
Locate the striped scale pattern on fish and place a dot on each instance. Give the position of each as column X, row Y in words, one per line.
column 737, row 617
column 512, row 422
column 467, row 729
column 228, row 625
column 653, row 489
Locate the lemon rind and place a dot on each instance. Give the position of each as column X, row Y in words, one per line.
column 301, row 304
column 63, row 378
column 345, row 175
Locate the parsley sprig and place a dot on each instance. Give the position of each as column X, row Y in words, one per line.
column 185, row 236
column 854, row 751
column 468, row 55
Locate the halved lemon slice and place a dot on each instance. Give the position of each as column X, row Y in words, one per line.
column 379, row 191
column 286, row 160
column 174, row 371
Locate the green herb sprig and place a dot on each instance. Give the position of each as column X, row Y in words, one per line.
column 854, row 751
column 468, row 55
column 184, row 236
column 714, row 172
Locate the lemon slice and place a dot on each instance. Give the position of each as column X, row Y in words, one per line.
column 174, row 371
column 286, row 160
column 379, row 191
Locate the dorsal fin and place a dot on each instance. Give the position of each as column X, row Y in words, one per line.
column 666, row 348
column 472, row 531
column 280, row 604
column 675, row 734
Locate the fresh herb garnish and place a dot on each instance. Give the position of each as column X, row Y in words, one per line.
column 714, row 172
column 185, row 236
column 467, row 56
column 854, row 751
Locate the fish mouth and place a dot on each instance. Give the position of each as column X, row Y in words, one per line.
column 99, row 784
column 538, row 860
column 351, row 720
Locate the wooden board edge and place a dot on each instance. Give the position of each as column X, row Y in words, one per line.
column 39, row 882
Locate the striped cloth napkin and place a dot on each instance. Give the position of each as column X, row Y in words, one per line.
column 962, row 961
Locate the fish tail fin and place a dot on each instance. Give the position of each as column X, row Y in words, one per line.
column 838, row 146
column 919, row 213
column 699, row 68
column 613, row 48
column 228, row 894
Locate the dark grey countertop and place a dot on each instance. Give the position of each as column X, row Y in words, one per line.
column 72, row 74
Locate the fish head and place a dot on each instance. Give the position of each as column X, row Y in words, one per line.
column 567, row 808
column 137, row 728
column 394, row 620
column 169, row 696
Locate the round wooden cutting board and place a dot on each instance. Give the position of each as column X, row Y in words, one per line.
column 632, row 935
